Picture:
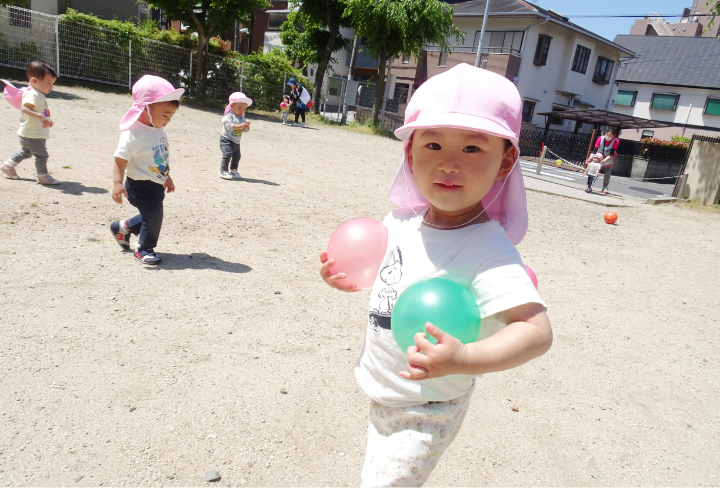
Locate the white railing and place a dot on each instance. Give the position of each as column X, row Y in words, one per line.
column 659, row 25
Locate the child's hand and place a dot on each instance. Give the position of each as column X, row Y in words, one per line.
column 118, row 191
column 332, row 280
column 245, row 126
column 169, row 185
column 448, row 356
column 46, row 122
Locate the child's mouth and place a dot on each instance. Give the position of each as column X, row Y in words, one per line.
column 447, row 186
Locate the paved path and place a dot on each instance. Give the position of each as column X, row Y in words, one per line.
column 619, row 187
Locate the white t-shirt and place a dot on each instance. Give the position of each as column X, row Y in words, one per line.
column 145, row 148
column 479, row 257
column 593, row 168
column 228, row 132
column 31, row 127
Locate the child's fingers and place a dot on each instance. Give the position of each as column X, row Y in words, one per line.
column 323, row 257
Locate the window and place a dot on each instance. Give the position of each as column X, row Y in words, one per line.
column 626, row 98
column 276, row 19
column 712, row 106
column 582, row 56
column 19, row 17
column 405, row 59
column 556, row 120
column 442, row 60
column 528, row 111
column 647, row 133
column 664, row 101
column 603, row 70
column 541, row 51
column 500, row 42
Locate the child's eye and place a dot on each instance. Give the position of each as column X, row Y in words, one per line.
column 471, row 149
column 434, row 146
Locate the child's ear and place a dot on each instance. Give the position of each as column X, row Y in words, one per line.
column 509, row 157
column 409, row 151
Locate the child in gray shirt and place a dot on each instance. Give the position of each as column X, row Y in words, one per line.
column 234, row 124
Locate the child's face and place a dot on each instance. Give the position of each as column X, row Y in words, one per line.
column 161, row 114
column 44, row 85
column 455, row 168
column 239, row 108
column 596, row 159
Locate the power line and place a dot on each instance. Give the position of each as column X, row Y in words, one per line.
column 632, row 16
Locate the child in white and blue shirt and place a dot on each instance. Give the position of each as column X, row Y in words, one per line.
column 234, row 124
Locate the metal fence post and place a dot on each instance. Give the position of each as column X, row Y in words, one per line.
column 57, row 44
column 385, row 91
column 542, row 160
column 242, row 73
column 130, row 64
column 337, row 117
column 284, row 81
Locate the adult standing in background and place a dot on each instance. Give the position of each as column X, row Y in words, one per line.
column 607, row 146
column 296, row 90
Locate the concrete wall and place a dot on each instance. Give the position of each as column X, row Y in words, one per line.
column 703, row 169
column 691, row 106
column 45, row 6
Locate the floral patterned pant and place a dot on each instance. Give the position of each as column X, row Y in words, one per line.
column 405, row 443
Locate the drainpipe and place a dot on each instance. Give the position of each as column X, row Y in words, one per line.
column 692, row 98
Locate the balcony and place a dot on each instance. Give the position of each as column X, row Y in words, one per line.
column 503, row 61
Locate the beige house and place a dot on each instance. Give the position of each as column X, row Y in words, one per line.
column 556, row 65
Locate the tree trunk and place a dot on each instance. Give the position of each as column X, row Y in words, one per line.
column 201, row 71
column 322, row 67
column 380, row 90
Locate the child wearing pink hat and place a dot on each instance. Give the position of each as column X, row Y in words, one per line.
column 592, row 170
column 463, row 210
column 142, row 161
column 35, row 121
column 234, row 124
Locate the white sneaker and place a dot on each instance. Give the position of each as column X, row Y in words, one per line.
column 294, row 124
column 47, row 180
column 226, row 175
column 235, row 174
column 9, row 169
column 302, row 125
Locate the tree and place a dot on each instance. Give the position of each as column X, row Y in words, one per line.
column 714, row 11
column 209, row 18
column 400, row 27
column 312, row 34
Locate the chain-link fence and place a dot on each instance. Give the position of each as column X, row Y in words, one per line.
column 350, row 101
column 92, row 53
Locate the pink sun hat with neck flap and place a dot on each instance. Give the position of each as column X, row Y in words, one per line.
column 237, row 97
column 470, row 98
column 148, row 90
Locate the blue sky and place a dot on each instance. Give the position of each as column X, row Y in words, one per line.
column 609, row 28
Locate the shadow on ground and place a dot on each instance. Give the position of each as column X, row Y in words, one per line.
column 198, row 260
column 75, row 188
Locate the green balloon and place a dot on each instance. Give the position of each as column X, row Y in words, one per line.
column 443, row 303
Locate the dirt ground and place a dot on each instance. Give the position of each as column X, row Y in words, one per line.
column 234, row 356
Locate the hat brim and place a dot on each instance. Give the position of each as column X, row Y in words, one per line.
column 456, row 120
column 242, row 100
column 173, row 95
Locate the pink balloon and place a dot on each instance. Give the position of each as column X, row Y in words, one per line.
column 358, row 248
column 533, row 278
column 283, row 105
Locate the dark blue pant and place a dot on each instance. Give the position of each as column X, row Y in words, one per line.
column 230, row 154
column 147, row 197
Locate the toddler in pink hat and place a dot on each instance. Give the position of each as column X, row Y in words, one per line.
column 142, row 165
column 463, row 210
column 234, row 124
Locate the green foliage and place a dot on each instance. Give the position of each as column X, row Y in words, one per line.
column 264, row 78
column 402, row 27
column 306, row 33
column 714, row 12
column 16, row 3
column 147, row 29
column 678, row 138
column 19, row 54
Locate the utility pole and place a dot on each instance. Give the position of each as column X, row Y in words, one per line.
column 482, row 34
